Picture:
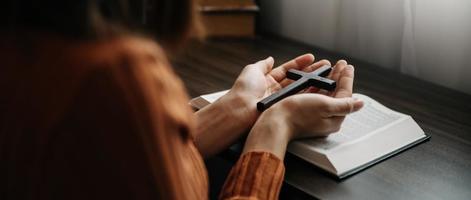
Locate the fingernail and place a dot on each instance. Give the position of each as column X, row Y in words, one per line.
column 350, row 67
column 312, row 56
column 326, row 61
column 342, row 60
column 269, row 60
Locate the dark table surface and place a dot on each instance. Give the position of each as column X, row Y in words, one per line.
column 437, row 169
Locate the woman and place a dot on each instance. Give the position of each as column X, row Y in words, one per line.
column 92, row 110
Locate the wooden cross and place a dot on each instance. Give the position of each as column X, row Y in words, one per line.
column 303, row 81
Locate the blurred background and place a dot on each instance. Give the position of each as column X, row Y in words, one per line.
column 427, row 39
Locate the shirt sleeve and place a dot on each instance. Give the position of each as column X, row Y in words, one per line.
column 256, row 175
column 133, row 130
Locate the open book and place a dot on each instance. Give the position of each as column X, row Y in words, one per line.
column 365, row 138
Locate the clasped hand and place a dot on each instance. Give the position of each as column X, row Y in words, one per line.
column 312, row 113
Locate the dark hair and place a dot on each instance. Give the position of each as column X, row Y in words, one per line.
column 170, row 21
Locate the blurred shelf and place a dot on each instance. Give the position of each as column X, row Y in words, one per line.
column 229, row 18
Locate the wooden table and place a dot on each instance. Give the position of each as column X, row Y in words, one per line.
column 437, row 169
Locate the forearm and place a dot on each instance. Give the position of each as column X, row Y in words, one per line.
column 259, row 172
column 220, row 124
column 270, row 134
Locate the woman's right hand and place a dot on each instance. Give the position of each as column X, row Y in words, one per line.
column 312, row 115
column 304, row 115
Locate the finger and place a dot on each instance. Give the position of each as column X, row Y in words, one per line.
column 342, row 107
column 324, row 92
column 309, row 68
column 338, row 68
column 333, row 124
column 345, row 83
column 265, row 65
column 316, row 65
column 300, row 62
column 312, row 90
column 335, row 74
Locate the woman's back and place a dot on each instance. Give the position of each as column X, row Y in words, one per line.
column 93, row 119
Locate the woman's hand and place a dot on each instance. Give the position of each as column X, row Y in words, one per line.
column 312, row 115
column 260, row 80
column 223, row 122
column 304, row 115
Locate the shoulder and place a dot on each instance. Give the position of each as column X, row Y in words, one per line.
column 136, row 63
column 140, row 69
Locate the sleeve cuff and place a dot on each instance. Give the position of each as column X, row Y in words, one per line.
column 256, row 175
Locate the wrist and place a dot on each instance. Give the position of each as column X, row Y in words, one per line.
column 220, row 124
column 270, row 133
column 241, row 107
column 280, row 114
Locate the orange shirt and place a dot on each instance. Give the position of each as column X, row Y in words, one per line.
column 106, row 120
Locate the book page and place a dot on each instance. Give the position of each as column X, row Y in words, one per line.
column 372, row 117
column 211, row 98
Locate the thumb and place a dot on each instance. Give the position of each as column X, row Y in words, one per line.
column 343, row 106
column 265, row 65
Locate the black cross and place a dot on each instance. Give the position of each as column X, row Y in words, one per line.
column 303, row 81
